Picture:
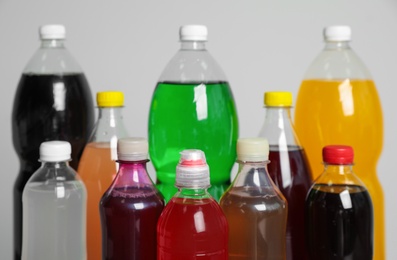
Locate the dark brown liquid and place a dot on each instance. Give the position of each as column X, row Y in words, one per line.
column 290, row 172
column 339, row 223
column 47, row 107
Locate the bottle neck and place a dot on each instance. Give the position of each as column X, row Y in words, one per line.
column 338, row 169
column 192, row 193
column 193, row 45
column 333, row 45
column 110, row 114
column 110, row 125
column 52, row 43
column 55, row 165
column 132, row 173
column 278, row 128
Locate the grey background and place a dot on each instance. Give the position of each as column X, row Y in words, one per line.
column 261, row 45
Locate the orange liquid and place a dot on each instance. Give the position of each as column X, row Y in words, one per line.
column 345, row 112
column 97, row 170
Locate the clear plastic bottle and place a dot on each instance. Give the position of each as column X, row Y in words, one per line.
column 339, row 213
column 255, row 209
column 53, row 101
column 193, row 107
column 131, row 206
column 98, row 166
column 288, row 167
column 192, row 225
column 54, row 206
column 338, row 103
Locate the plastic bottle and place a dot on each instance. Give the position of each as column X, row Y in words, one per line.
column 254, row 207
column 339, row 214
column 193, row 107
column 192, row 225
column 53, row 101
column 98, row 165
column 54, row 206
column 131, row 206
column 288, row 167
column 338, row 103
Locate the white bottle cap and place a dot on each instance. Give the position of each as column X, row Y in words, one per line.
column 132, row 149
column 55, row 151
column 192, row 170
column 337, row 33
column 193, row 33
column 52, row 31
column 252, row 149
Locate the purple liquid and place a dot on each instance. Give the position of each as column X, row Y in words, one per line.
column 293, row 178
column 129, row 221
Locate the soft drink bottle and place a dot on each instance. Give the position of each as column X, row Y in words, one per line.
column 338, row 103
column 339, row 214
column 98, row 165
column 54, row 206
column 192, row 225
column 53, row 102
column 255, row 209
column 288, row 167
column 193, row 107
column 131, row 206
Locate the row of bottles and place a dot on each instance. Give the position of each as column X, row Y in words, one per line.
column 193, row 107
column 250, row 222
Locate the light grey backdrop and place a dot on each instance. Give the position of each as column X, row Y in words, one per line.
column 261, row 45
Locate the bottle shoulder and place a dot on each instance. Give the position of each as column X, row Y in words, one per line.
column 54, row 174
column 337, row 64
column 338, row 175
column 192, row 66
column 47, row 61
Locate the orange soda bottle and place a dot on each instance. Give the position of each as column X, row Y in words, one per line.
column 98, row 166
column 338, row 103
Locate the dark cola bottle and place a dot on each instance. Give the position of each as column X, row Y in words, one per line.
column 53, row 101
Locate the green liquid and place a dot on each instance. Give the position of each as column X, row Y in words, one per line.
column 193, row 116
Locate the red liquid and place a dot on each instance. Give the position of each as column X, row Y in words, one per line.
column 130, row 216
column 192, row 229
column 294, row 181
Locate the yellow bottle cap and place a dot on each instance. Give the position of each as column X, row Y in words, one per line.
column 110, row 99
column 278, row 99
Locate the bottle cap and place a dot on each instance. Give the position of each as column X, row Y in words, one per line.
column 110, row 99
column 52, row 31
column 252, row 149
column 338, row 154
column 192, row 170
column 278, row 99
column 193, row 33
column 55, row 151
column 132, row 149
column 337, row 33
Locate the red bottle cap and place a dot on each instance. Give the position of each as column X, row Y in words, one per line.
column 338, row 154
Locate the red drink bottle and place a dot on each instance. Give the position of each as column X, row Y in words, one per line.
column 192, row 225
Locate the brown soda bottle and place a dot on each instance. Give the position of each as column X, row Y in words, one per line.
column 339, row 213
column 288, row 167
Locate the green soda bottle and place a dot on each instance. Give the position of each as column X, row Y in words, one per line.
column 193, row 108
